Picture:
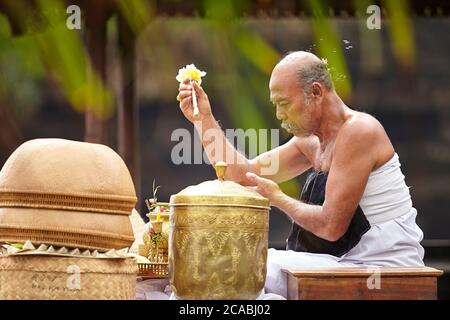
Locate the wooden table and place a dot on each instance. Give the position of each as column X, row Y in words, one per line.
column 363, row 284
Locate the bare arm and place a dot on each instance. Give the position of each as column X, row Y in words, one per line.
column 279, row 164
column 354, row 159
column 285, row 162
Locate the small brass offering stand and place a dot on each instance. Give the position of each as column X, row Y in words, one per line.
column 157, row 239
column 155, row 248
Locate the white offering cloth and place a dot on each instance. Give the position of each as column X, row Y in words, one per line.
column 153, row 289
column 262, row 296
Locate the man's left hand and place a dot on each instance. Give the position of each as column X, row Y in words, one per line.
column 265, row 187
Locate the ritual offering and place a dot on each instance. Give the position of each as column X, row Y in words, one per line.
column 191, row 73
column 155, row 247
column 158, row 232
column 218, row 240
column 64, row 223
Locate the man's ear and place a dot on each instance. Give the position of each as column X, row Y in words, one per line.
column 317, row 91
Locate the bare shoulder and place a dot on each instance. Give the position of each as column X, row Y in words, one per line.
column 364, row 125
column 364, row 133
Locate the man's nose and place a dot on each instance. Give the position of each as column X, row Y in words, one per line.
column 280, row 115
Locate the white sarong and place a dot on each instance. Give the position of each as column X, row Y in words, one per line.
column 392, row 241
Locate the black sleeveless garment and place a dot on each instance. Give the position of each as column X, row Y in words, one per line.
column 302, row 240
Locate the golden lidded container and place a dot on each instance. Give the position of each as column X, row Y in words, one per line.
column 218, row 240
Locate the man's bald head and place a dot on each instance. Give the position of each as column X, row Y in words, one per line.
column 299, row 85
column 300, row 57
column 308, row 68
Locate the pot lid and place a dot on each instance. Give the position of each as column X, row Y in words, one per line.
column 219, row 192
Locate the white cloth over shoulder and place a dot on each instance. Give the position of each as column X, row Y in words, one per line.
column 386, row 195
column 393, row 239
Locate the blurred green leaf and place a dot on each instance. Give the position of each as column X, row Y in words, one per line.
column 219, row 10
column 370, row 41
column 256, row 50
column 401, row 32
column 329, row 47
column 138, row 13
column 5, row 28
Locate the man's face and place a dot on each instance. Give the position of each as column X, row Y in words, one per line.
column 291, row 108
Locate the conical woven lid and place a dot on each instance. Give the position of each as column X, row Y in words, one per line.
column 57, row 166
column 66, row 193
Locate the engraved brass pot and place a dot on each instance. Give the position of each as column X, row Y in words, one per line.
column 218, row 240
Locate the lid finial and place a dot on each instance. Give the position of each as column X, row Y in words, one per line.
column 221, row 168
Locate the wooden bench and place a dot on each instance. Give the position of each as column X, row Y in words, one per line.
column 363, row 284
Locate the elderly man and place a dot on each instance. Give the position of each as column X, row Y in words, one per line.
column 355, row 207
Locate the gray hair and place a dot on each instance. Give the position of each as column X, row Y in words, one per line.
column 310, row 69
column 316, row 71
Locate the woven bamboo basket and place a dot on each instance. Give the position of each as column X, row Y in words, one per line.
column 153, row 270
column 61, row 278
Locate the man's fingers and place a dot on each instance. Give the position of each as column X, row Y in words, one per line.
column 183, row 94
column 188, row 87
column 198, row 89
column 186, row 102
column 184, row 87
column 252, row 178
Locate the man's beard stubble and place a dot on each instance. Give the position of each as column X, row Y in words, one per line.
column 294, row 129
